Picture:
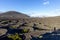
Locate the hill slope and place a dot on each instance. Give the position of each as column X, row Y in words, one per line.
column 13, row 14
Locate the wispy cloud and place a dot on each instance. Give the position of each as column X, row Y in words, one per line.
column 46, row 2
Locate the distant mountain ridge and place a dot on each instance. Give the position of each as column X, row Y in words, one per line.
column 13, row 14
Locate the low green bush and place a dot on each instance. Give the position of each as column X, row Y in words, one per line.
column 25, row 30
column 14, row 36
column 13, row 27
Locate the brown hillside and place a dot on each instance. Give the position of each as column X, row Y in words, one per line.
column 13, row 14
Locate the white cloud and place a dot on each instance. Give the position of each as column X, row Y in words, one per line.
column 46, row 2
column 56, row 12
column 39, row 14
column 52, row 13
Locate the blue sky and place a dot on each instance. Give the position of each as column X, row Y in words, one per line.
column 35, row 8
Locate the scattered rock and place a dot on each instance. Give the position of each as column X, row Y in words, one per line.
column 2, row 31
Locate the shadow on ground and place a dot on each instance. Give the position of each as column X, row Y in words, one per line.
column 55, row 35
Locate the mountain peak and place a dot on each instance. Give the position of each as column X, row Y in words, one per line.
column 13, row 14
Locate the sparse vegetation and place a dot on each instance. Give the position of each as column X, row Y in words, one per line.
column 25, row 30
column 13, row 27
column 14, row 36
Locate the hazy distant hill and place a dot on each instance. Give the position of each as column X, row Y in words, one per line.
column 13, row 14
